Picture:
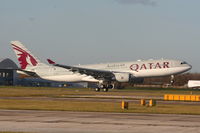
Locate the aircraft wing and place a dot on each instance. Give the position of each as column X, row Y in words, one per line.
column 98, row 74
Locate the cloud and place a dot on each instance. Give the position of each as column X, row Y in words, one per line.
column 142, row 2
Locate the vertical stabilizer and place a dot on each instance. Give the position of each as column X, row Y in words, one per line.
column 25, row 57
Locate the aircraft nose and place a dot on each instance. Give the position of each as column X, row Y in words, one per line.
column 189, row 66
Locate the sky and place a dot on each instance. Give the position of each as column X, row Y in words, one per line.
column 75, row 32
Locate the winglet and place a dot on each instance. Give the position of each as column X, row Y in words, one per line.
column 50, row 61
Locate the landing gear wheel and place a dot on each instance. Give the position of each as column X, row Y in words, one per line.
column 105, row 89
column 97, row 89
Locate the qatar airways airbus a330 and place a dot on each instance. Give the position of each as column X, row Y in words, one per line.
column 105, row 75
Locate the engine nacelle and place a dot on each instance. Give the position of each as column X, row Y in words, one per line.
column 128, row 78
column 122, row 77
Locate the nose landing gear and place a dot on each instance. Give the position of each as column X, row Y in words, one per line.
column 172, row 80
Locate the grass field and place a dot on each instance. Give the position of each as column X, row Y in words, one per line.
column 65, row 92
column 11, row 132
column 97, row 106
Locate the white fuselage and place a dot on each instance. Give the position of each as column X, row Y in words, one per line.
column 139, row 69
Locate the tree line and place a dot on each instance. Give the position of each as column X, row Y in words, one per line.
column 179, row 80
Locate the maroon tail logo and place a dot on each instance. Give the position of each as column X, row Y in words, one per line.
column 24, row 58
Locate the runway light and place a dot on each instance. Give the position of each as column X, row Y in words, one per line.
column 142, row 102
column 124, row 105
column 152, row 102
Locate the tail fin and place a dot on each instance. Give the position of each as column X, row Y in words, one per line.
column 25, row 57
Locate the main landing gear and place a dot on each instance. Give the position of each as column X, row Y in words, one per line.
column 104, row 88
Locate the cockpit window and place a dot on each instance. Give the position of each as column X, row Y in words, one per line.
column 183, row 62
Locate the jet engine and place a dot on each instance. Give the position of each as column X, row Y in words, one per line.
column 122, row 77
column 128, row 78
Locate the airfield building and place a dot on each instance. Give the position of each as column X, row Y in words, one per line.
column 7, row 72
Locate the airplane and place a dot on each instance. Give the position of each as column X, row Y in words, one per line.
column 105, row 75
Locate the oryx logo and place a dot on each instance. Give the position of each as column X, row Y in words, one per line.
column 24, row 58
